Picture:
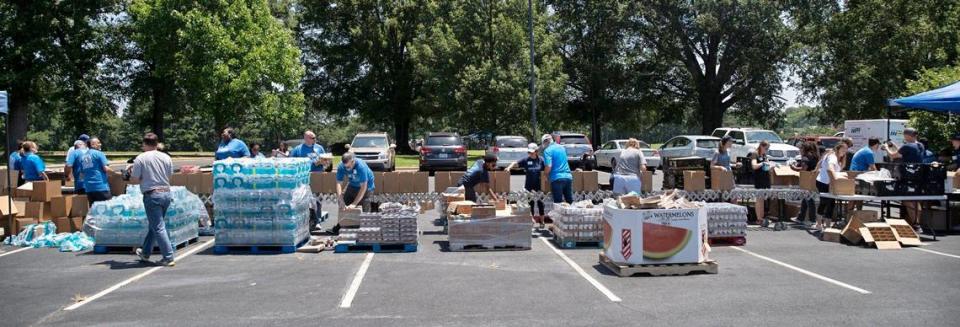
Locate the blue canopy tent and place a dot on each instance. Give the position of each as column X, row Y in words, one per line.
column 945, row 100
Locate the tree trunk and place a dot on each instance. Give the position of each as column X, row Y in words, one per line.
column 159, row 104
column 18, row 119
column 401, row 127
column 711, row 110
column 595, row 133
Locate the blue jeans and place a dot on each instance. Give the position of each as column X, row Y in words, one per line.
column 562, row 190
column 156, row 204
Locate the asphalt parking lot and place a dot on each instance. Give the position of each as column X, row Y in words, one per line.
column 787, row 278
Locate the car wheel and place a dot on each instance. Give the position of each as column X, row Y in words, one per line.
column 613, row 164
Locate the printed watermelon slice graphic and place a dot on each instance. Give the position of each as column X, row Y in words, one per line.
column 661, row 242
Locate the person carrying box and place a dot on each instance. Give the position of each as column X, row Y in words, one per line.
column 477, row 174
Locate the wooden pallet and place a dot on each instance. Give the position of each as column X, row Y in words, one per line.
column 111, row 248
column 680, row 269
column 486, row 247
column 375, row 248
column 728, row 240
column 571, row 243
column 259, row 248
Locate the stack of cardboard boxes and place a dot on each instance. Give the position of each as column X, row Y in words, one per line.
column 197, row 183
column 42, row 201
column 583, row 181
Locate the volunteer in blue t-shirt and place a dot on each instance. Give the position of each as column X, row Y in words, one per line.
column 955, row 154
column 230, row 146
column 558, row 170
column 910, row 152
column 33, row 166
column 310, row 149
column 94, row 166
column 255, row 151
column 73, row 170
column 532, row 165
column 864, row 159
column 478, row 174
column 16, row 162
column 359, row 180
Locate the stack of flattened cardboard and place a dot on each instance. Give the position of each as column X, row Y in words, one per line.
column 880, row 234
column 904, row 232
column 502, row 230
column 668, row 200
column 855, row 221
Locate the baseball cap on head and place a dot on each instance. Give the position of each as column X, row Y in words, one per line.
column 545, row 138
column 84, row 137
column 532, row 147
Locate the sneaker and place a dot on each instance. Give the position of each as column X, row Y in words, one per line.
column 142, row 257
column 166, row 263
column 918, row 229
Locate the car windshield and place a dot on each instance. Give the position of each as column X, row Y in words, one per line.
column 829, row 143
column 712, row 144
column 757, row 136
column 512, row 142
column 369, row 142
column 443, row 140
column 574, row 139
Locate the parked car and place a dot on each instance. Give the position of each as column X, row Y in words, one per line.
column 578, row 148
column 823, row 142
column 746, row 140
column 700, row 146
column 509, row 149
column 442, row 151
column 609, row 152
column 376, row 150
column 295, row 142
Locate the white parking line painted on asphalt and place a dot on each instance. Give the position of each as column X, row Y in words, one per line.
column 576, row 267
column 15, row 251
column 937, row 252
column 347, row 300
column 805, row 272
column 134, row 278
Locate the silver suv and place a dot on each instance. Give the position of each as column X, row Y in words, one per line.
column 375, row 149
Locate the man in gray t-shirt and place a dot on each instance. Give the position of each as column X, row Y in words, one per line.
column 153, row 168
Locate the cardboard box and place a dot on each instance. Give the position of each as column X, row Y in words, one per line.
column 63, row 224
column 501, row 181
column 193, row 182
column 405, row 183
column 455, row 177
column 830, row 235
column 855, row 221
column 23, row 191
column 6, row 209
column 953, row 182
column 904, row 232
column 721, row 180
column 483, row 211
column 117, row 185
column 880, row 234
column 45, row 191
column 646, row 182
column 76, row 224
column 379, row 181
column 502, row 204
column 61, row 206
column 39, row 210
column 79, row 207
column 460, row 207
column 808, row 181
column 20, row 223
column 783, row 175
column 842, row 184
column 316, row 182
column 21, row 208
column 441, row 181
column 421, row 182
column 577, row 181
column 591, row 181
column 329, row 183
column 694, row 180
column 206, row 184
column 624, row 231
column 935, row 218
column 178, row 179
column 391, row 182
column 349, row 217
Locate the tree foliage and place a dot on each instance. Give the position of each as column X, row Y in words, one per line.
column 936, row 127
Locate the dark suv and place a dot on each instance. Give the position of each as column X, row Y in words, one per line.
column 443, row 151
column 579, row 150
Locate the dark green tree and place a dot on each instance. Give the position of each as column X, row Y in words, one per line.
column 715, row 57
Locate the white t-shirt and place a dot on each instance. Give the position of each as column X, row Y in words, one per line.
column 829, row 162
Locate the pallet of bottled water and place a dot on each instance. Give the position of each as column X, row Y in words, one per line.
column 578, row 224
column 726, row 219
column 263, row 202
column 122, row 220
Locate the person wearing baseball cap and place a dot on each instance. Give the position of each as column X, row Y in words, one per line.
column 557, row 168
column 910, row 152
column 532, row 165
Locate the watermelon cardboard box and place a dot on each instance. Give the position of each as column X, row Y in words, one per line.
column 655, row 236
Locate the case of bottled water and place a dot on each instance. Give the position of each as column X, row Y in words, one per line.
column 262, row 201
column 122, row 221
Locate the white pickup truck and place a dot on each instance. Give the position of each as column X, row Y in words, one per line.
column 746, row 140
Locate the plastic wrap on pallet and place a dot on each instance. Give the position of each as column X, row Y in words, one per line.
column 513, row 230
column 726, row 219
column 44, row 235
column 122, row 221
column 580, row 222
column 396, row 223
column 262, row 201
